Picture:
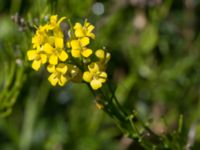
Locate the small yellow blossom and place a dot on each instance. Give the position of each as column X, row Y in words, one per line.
column 57, row 74
column 40, row 37
column 38, row 58
column 102, row 55
column 57, row 53
column 79, row 47
column 94, row 76
column 84, row 31
column 54, row 24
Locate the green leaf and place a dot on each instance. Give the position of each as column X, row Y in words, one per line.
column 149, row 39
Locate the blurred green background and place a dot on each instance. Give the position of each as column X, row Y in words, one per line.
column 155, row 47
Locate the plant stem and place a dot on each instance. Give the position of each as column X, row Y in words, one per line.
column 125, row 119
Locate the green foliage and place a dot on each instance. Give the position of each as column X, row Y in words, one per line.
column 154, row 68
column 149, row 38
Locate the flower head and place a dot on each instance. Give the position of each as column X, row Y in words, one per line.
column 84, row 31
column 57, row 74
column 56, row 53
column 102, row 55
column 38, row 58
column 95, row 76
column 40, row 37
column 48, row 48
column 79, row 47
column 54, row 22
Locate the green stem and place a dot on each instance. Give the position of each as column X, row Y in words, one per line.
column 130, row 118
column 148, row 129
column 116, row 101
column 127, row 126
column 124, row 120
column 71, row 28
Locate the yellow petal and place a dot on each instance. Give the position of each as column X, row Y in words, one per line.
column 48, row 48
column 51, row 68
column 62, row 80
column 103, row 77
column 92, row 35
column 68, row 44
column 46, row 27
column 63, row 55
column 58, row 32
column 100, row 54
column 59, row 43
column 84, row 41
column 62, row 68
column 79, row 33
column 43, row 58
column 32, row 54
column 36, row 41
column 87, row 76
column 53, row 19
column 93, row 67
column 51, row 40
column 77, row 26
column 90, row 28
column 53, row 79
column 86, row 23
column 75, row 44
column 95, row 84
column 36, row 65
column 53, row 59
column 75, row 53
column 86, row 52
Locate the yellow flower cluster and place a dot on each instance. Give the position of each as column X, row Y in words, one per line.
column 73, row 62
column 80, row 39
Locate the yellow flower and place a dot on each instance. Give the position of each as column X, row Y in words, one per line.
column 48, row 47
column 102, row 55
column 94, row 76
column 43, row 36
column 57, row 74
column 57, row 53
column 79, row 49
column 40, row 37
column 54, row 22
column 83, row 31
column 38, row 58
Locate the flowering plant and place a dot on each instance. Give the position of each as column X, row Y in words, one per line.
column 70, row 60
